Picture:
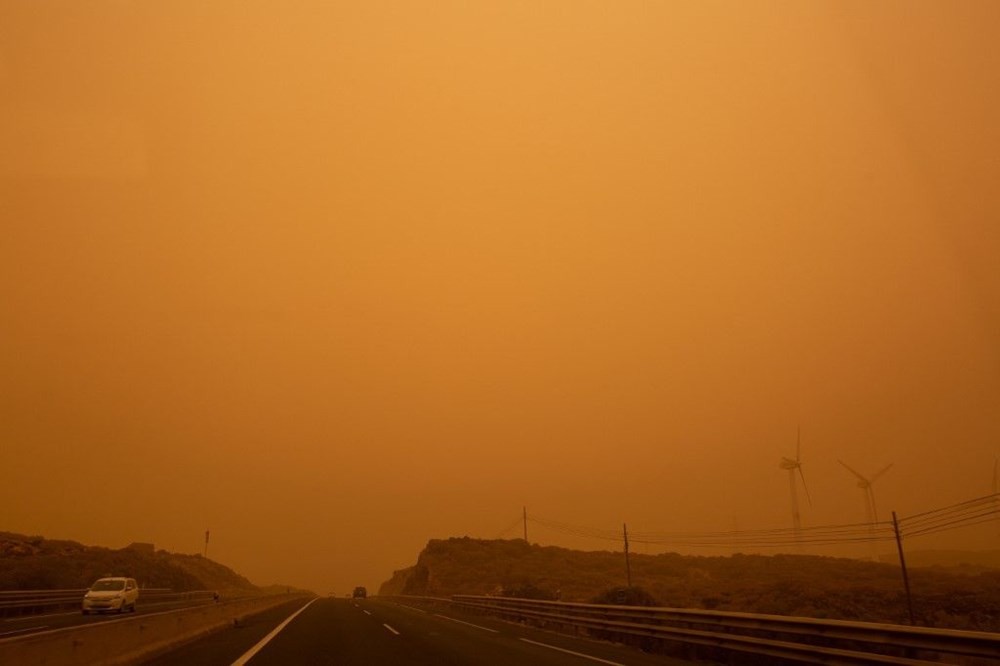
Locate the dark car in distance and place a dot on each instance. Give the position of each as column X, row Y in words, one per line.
column 360, row 593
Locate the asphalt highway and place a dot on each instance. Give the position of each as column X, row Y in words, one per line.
column 369, row 632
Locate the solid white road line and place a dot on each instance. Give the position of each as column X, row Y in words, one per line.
column 445, row 617
column 391, row 629
column 578, row 654
column 21, row 631
column 267, row 639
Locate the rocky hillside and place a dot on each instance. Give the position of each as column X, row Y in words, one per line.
column 35, row 563
column 982, row 560
column 803, row 585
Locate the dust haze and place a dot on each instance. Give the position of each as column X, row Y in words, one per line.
column 333, row 279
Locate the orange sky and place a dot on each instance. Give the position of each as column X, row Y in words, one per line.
column 332, row 279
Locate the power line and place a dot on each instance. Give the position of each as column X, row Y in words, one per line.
column 782, row 531
column 949, row 520
column 577, row 530
column 507, row 530
column 957, row 511
column 781, row 536
column 966, row 524
column 968, row 521
column 971, row 512
column 976, row 500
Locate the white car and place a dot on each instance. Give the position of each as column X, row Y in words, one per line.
column 111, row 594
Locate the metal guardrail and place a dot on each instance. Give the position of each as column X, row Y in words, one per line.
column 445, row 601
column 11, row 596
column 28, row 602
column 37, row 594
column 797, row 639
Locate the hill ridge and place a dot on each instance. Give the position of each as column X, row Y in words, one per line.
column 784, row 584
column 37, row 563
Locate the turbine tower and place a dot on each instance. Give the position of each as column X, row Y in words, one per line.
column 792, row 466
column 871, row 510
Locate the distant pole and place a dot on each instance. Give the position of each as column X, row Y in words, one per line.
column 524, row 513
column 902, row 564
column 628, row 566
column 206, row 544
column 996, row 489
column 736, row 528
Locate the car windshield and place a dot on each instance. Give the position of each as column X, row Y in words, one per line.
column 107, row 584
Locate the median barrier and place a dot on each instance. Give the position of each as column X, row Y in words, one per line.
column 748, row 637
column 132, row 640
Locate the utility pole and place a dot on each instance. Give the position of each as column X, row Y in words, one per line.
column 628, row 566
column 524, row 513
column 206, row 544
column 996, row 489
column 902, row 564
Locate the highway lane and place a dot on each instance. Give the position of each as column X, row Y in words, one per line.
column 30, row 624
column 346, row 632
column 225, row 647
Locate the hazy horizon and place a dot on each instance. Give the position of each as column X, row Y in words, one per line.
column 333, row 279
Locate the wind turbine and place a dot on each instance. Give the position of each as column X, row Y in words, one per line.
column 871, row 510
column 792, row 466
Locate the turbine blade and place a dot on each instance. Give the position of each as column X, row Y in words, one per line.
column 798, row 444
column 853, row 471
column 880, row 472
column 804, row 486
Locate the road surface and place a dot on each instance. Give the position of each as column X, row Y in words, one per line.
column 363, row 632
